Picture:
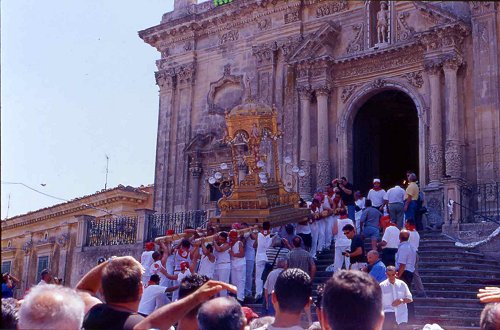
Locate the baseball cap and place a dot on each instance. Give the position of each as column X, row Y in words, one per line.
column 150, row 246
column 376, row 180
column 249, row 313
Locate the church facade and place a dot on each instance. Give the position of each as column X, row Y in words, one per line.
column 363, row 89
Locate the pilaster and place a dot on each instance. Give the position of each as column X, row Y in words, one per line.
column 81, row 234
column 305, row 142
column 323, row 164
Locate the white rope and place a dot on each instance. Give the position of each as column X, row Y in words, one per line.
column 481, row 242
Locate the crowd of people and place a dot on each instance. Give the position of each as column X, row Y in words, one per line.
column 201, row 279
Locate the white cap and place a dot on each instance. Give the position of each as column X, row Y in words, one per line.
column 376, row 180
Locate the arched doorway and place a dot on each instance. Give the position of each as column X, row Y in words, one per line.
column 385, row 140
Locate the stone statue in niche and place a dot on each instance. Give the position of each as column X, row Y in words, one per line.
column 382, row 23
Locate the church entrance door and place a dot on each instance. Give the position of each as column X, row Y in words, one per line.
column 385, row 140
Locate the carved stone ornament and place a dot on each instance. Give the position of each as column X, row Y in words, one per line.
column 226, row 79
column 481, row 7
column 188, row 46
column 305, row 92
column 356, row 45
column 264, row 24
column 332, row 7
column 435, row 162
column 324, row 89
column 166, row 78
column 305, row 181
column 303, row 70
column 347, row 92
column 453, row 158
column 63, row 240
column 228, row 36
column 414, row 78
column 185, row 73
column 452, row 62
column 27, row 246
column 433, row 67
column 378, row 83
column 288, row 45
column 322, row 173
column 403, row 30
column 291, row 17
column 265, row 53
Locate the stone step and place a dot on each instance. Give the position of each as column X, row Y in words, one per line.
column 447, row 302
column 448, row 258
column 458, row 265
column 447, row 322
column 450, row 254
column 451, row 294
column 487, row 274
column 448, row 279
column 449, row 312
column 449, row 287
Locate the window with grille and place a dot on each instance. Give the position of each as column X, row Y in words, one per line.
column 43, row 263
column 6, row 265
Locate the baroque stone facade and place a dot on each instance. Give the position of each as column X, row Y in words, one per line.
column 318, row 62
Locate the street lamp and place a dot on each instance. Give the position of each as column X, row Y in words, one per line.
column 291, row 173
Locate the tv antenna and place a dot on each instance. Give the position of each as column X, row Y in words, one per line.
column 107, row 170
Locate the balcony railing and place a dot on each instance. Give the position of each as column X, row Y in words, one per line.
column 158, row 224
column 480, row 203
column 113, row 231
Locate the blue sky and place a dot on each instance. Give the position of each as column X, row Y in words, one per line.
column 77, row 84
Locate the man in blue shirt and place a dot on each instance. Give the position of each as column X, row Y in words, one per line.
column 376, row 267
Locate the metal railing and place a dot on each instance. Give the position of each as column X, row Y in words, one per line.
column 158, row 224
column 480, row 203
column 111, row 231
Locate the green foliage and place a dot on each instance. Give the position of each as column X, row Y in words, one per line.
column 221, row 2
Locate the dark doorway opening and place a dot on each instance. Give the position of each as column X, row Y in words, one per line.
column 385, row 140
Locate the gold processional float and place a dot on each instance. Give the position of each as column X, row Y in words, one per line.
column 257, row 193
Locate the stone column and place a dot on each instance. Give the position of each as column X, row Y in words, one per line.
column 27, row 248
column 142, row 224
column 81, row 235
column 323, row 165
column 433, row 69
column 196, row 172
column 453, row 152
column 63, row 242
column 305, row 141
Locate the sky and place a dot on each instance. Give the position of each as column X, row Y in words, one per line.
column 77, row 84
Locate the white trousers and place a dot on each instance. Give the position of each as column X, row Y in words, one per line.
column 238, row 278
column 259, row 268
column 328, row 231
column 339, row 258
column 321, row 234
column 223, row 276
column 314, row 239
column 249, row 276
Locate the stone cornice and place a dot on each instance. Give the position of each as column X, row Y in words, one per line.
column 100, row 199
column 213, row 20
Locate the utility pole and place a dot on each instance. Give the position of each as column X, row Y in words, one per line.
column 107, row 168
column 8, row 207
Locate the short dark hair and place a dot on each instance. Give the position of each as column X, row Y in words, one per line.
column 191, row 283
column 295, row 300
column 266, row 225
column 121, row 280
column 348, row 227
column 297, row 241
column 351, row 293
column 368, row 202
column 210, row 248
column 156, row 256
column 10, row 313
column 155, row 278
column 490, row 317
column 185, row 243
column 223, row 234
column 229, row 318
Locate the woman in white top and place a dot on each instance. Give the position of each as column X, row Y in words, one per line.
column 222, row 260
column 238, row 264
column 262, row 243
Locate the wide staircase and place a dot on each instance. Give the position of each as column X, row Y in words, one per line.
column 451, row 278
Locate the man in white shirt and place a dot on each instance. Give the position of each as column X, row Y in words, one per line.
column 415, row 243
column 376, row 195
column 395, row 297
column 271, row 282
column 394, row 199
column 262, row 241
column 45, row 277
column 154, row 296
column 147, row 261
column 389, row 244
column 250, row 261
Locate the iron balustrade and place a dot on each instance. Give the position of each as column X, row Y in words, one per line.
column 480, row 203
column 111, row 231
column 158, row 224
